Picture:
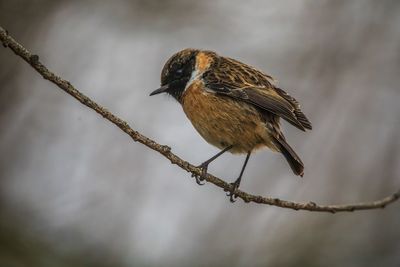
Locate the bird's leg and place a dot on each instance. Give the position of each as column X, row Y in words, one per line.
column 204, row 165
column 236, row 183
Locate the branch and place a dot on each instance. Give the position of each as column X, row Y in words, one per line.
column 164, row 150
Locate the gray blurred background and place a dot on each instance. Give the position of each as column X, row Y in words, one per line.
column 76, row 191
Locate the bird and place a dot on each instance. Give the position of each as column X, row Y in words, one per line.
column 233, row 106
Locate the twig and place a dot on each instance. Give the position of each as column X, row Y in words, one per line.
column 164, row 150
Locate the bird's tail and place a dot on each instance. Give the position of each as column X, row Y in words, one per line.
column 294, row 161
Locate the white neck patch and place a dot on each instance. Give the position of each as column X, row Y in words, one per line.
column 195, row 74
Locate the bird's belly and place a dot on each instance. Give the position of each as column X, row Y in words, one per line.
column 222, row 121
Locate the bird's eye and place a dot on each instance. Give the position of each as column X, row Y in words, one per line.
column 179, row 71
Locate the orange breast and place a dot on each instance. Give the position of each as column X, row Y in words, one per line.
column 222, row 121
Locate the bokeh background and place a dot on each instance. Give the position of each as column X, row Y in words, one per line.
column 76, row 191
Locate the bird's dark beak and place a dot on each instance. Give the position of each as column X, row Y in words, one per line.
column 160, row 90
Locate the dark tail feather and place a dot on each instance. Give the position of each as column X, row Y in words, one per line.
column 294, row 161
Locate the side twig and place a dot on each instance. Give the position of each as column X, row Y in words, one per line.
column 164, row 150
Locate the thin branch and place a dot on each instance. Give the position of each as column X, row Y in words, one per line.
column 164, row 150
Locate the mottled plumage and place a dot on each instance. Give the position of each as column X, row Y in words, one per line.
column 232, row 105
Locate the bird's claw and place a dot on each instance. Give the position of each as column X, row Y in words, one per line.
column 231, row 194
column 200, row 178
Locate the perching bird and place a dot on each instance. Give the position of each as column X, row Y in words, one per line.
column 233, row 106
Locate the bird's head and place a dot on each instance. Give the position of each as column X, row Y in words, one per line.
column 177, row 72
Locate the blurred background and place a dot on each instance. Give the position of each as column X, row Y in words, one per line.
column 76, row 191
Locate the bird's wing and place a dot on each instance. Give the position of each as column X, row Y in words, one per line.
column 242, row 82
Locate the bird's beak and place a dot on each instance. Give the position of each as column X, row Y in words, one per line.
column 160, row 90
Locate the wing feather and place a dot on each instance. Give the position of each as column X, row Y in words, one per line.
column 242, row 82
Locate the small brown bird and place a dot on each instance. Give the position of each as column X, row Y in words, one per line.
column 233, row 106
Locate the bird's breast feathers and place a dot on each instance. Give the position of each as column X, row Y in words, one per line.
column 223, row 121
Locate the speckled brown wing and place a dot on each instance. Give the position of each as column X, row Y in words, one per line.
column 240, row 81
column 297, row 111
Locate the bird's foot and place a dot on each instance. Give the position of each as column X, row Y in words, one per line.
column 200, row 178
column 231, row 194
